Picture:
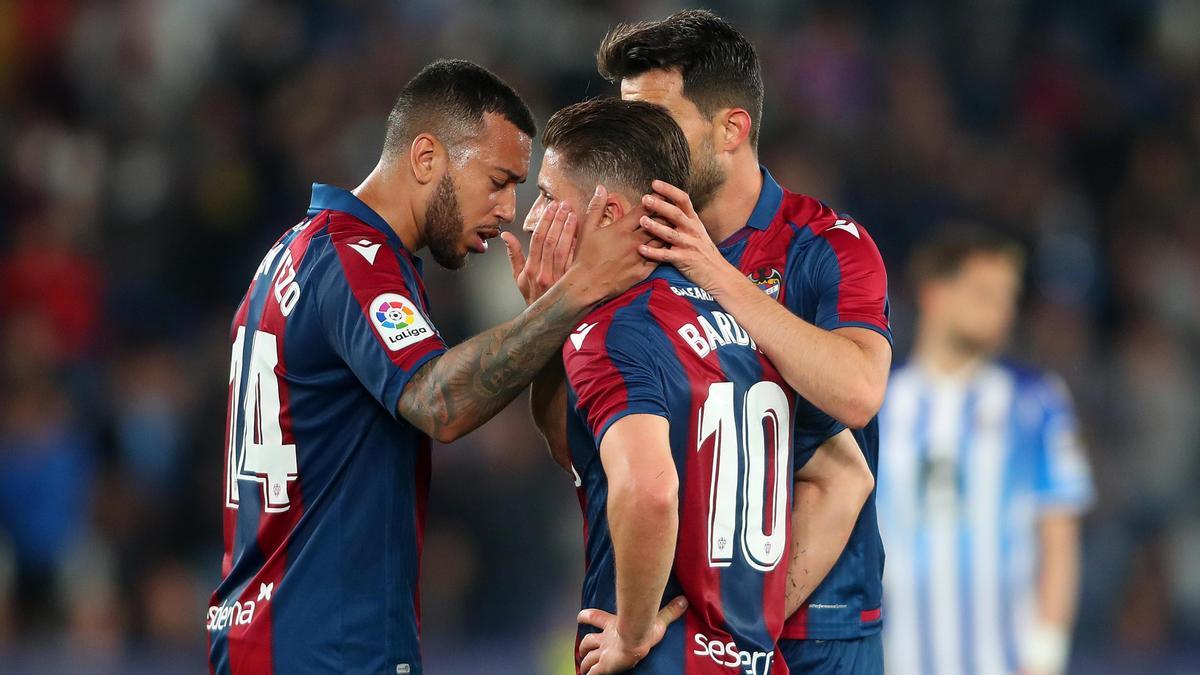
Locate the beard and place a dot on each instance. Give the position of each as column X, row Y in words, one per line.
column 707, row 175
column 444, row 226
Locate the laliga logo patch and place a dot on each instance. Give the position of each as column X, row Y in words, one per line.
column 768, row 280
column 392, row 314
column 398, row 322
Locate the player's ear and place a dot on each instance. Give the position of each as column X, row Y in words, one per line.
column 735, row 129
column 425, row 156
column 614, row 210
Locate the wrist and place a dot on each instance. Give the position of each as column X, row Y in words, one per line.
column 1047, row 647
column 726, row 279
column 580, row 291
column 635, row 639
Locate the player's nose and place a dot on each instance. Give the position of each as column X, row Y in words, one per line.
column 506, row 208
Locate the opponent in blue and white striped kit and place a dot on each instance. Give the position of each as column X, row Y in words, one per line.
column 981, row 480
column 969, row 467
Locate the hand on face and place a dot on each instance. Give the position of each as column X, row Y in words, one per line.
column 551, row 249
column 687, row 244
column 607, row 255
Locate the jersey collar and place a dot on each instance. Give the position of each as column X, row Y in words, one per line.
column 770, row 196
column 769, row 199
column 332, row 198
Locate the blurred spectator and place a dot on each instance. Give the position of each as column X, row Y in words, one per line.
column 45, row 471
column 44, row 277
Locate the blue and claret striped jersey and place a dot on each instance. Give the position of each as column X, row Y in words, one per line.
column 324, row 486
column 826, row 269
column 666, row 348
column 972, row 463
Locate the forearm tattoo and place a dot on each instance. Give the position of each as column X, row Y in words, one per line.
column 471, row 383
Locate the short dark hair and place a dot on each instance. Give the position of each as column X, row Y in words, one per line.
column 621, row 144
column 718, row 64
column 448, row 98
column 942, row 255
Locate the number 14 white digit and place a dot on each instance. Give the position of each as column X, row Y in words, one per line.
column 259, row 453
column 765, row 403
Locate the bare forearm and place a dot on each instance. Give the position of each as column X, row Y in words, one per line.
column 644, row 525
column 470, row 383
column 1048, row 644
column 1058, row 579
column 822, row 521
column 831, row 371
column 830, row 491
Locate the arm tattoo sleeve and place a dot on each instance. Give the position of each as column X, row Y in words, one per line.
column 468, row 385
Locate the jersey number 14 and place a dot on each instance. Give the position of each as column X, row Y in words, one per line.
column 258, row 453
column 765, row 435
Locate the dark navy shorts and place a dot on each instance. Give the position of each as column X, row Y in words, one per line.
column 860, row 656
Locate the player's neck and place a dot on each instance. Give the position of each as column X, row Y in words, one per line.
column 378, row 191
column 733, row 203
column 945, row 358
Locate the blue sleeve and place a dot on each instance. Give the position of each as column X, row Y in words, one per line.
column 613, row 373
column 376, row 325
column 1064, row 478
column 848, row 281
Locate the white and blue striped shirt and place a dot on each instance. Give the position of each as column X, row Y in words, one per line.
column 966, row 467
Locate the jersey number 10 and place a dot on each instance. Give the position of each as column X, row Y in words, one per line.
column 258, row 453
column 765, row 408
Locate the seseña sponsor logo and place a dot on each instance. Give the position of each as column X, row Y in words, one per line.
column 237, row 613
column 221, row 617
column 398, row 321
column 727, row 654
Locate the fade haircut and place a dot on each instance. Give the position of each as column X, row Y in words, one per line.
column 449, row 98
column 943, row 255
column 624, row 145
column 718, row 64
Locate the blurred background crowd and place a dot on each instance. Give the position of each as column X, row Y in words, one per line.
column 151, row 151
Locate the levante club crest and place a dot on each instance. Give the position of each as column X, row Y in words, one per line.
column 768, row 280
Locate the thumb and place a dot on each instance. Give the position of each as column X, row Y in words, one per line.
column 595, row 617
column 516, row 257
column 672, row 611
column 595, row 209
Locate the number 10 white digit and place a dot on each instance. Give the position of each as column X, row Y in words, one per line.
column 765, row 405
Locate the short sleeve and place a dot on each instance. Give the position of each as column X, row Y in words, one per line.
column 1064, row 478
column 611, row 368
column 374, row 322
column 812, row 427
column 849, row 281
